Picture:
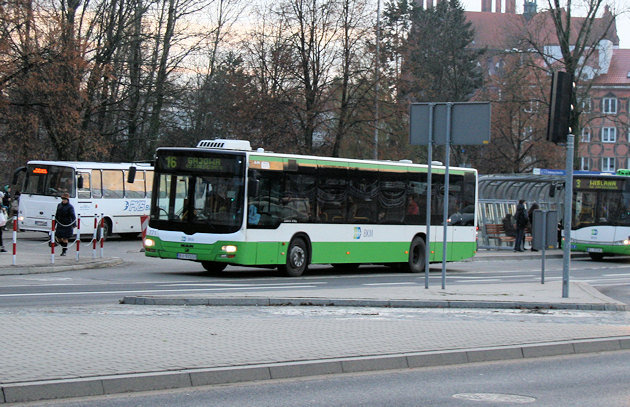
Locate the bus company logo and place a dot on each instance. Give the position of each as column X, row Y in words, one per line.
column 594, row 233
column 357, row 233
column 138, row 205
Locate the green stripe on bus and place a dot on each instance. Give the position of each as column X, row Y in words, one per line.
column 263, row 253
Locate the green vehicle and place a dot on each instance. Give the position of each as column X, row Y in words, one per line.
column 223, row 203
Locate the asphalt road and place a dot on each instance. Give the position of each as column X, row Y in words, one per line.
column 142, row 275
column 591, row 380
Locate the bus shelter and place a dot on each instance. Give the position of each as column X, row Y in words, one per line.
column 499, row 194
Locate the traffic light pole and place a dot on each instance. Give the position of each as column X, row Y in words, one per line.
column 568, row 201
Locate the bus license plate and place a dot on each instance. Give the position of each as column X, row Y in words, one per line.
column 594, row 250
column 187, row 256
column 40, row 223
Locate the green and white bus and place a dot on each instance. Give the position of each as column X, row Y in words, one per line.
column 601, row 214
column 223, row 203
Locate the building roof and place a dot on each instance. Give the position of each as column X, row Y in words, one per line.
column 500, row 31
column 618, row 71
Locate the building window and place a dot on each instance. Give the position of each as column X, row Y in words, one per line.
column 585, row 163
column 609, row 105
column 609, row 135
column 585, row 105
column 586, row 135
column 528, row 132
column 531, row 106
column 608, row 164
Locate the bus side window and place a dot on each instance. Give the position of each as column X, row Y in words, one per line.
column 83, row 185
column 135, row 190
column 97, row 192
column 148, row 183
column 113, row 184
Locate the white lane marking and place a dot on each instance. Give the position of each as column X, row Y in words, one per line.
column 403, row 283
column 484, row 280
column 236, row 285
column 150, row 291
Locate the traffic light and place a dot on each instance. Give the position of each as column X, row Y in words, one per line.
column 560, row 108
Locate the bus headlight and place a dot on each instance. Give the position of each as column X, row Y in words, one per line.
column 230, row 248
column 626, row 242
column 149, row 242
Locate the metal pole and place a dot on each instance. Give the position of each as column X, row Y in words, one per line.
column 377, row 76
column 94, row 236
column 15, row 222
column 427, row 251
column 544, row 247
column 52, row 240
column 447, row 154
column 78, row 239
column 568, row 202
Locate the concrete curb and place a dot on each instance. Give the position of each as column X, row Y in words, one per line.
column 150, row 381
column 329, row 302
column 38, row 269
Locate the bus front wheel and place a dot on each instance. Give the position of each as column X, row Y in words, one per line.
column 297, row 259
column 417, row 252
column 213, row 266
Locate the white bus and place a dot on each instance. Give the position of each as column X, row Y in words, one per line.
column 94, row 189
column 223, row 203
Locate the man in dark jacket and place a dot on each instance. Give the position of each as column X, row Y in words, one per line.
column 65, row 218
column 521, row 224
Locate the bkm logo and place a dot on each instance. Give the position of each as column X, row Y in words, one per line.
column 357, row 233
column 593, row 232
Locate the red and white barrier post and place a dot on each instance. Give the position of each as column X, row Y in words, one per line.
column 52, row 240
column 102, row 235
column 14, row 239
column 94, row 236
column 78, row 239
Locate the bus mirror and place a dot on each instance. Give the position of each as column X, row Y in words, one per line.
column 131, row 175
column 16, row 174
column 80, row 182
column 253, row 187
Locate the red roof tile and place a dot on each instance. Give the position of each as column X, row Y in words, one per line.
column 618, row 71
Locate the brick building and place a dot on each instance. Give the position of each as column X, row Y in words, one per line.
column 604, row 139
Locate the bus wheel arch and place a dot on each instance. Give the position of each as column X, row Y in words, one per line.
column 107, row 229
column 596, row 256
column 417, row 254
column 298, row 256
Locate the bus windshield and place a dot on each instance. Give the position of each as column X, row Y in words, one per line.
column 51, row 180
column 602, row 207
column 206, row 200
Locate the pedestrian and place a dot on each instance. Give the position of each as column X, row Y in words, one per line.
column 508, row 226
column 65, row 218
column 530, row 218
column 3, row 222
column 521, row 224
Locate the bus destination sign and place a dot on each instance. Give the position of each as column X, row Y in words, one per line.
column 196, row 164
column 598, row 183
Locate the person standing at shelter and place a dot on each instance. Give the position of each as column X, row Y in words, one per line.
column 521, row 224
column 65, row 218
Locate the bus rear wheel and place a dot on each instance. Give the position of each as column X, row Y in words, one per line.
column 297, row 259
column 417, row 255
column 213, row 266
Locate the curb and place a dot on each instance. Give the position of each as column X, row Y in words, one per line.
column 151, row 381
column 329, row 302
column 16, row 270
